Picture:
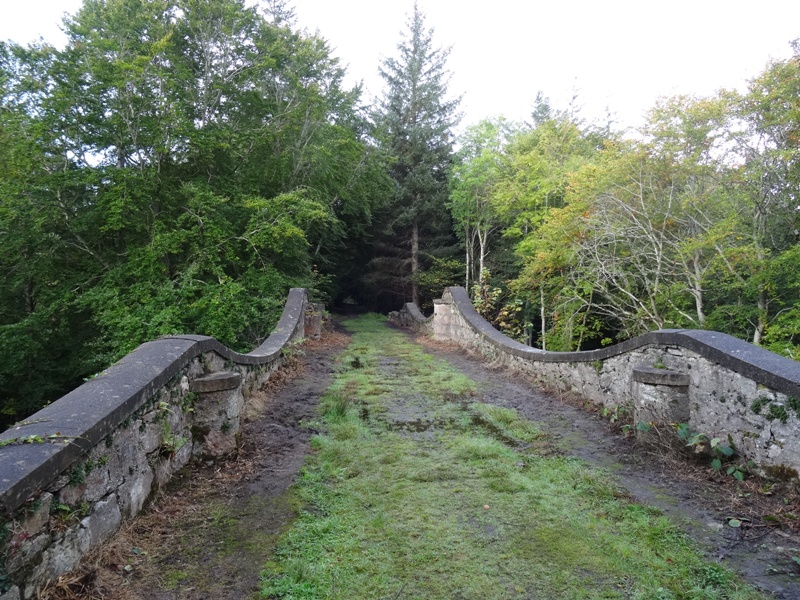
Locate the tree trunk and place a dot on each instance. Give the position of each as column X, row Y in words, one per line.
column 762, row 315
column 698, row 291
column 482, row 249
column 414, row 261
column 542, row 314
column 468, row 248
column 759, row 234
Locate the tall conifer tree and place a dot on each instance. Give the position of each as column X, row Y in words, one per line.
column 416, row 118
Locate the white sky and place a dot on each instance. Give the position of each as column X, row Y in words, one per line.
column 621, row 54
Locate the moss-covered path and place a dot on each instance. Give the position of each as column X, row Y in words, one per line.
column 427, row 475
column 418, row 489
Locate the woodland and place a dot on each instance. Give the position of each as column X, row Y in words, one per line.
column 180, row 164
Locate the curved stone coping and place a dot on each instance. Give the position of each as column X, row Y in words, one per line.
column 85, row 416
column 764, row 367
column 415, row 313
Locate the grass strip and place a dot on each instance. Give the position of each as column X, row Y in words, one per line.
column 417, row 490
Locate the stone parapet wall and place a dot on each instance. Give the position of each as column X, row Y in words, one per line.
column 71, row 473
column 722, row 385
column 411, row 316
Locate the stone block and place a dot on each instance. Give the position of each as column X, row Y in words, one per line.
column 653, row 376
column 659, row 396
column 133, row 493
column 216, row 382
column 12, row 594
column 313, row 320
column 217, row 422
column 58, row 483
column 85, row 487
column 103, row 521
column 59, row 558
column 660, row 404
column 151, row 436
column 97, row 484
column 71, row 494
column 211, row 363
column 37, row 516
column 24, row 553
column 164, row 465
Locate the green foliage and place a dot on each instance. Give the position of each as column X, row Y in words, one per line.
column 720, row 452
column 171, row 442
column 415, row 119
column 33, row 438
column 692, row 224
column 758, row 404
column 174, row 169
column 477, row 170
column 181, row 163
column 618, row 414
column 28, row 439
column 67, row 514
column 499, row 307
column 441, row 273
column 774, row 410
column 78, row 474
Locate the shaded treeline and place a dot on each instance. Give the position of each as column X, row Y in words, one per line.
column 175, row 168
column 180, row 164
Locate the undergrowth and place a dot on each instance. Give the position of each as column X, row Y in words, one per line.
column 417, row 490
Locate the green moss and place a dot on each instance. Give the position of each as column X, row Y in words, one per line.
column 174, row 577
column 464, row 504
column 780, row 472
column 506, row 424
column 777, row 412
column 78, row 474
column 758, row 404
column 188, row 400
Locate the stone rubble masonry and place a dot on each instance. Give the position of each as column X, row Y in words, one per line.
column 99, row 453
column 411, row 316
column 314, row 313
column 719, row 385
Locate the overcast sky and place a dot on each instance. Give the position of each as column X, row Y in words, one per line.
column 620, row 54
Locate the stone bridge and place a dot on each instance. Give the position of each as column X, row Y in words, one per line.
column 98, row 454
column 717, row 384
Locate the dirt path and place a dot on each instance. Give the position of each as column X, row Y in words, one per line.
column 216, row 527
column 210, row 533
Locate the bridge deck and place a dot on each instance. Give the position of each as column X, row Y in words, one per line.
column 419, row 487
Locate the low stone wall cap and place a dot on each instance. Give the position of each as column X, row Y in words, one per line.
column 216, row 382
column 655, row 376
